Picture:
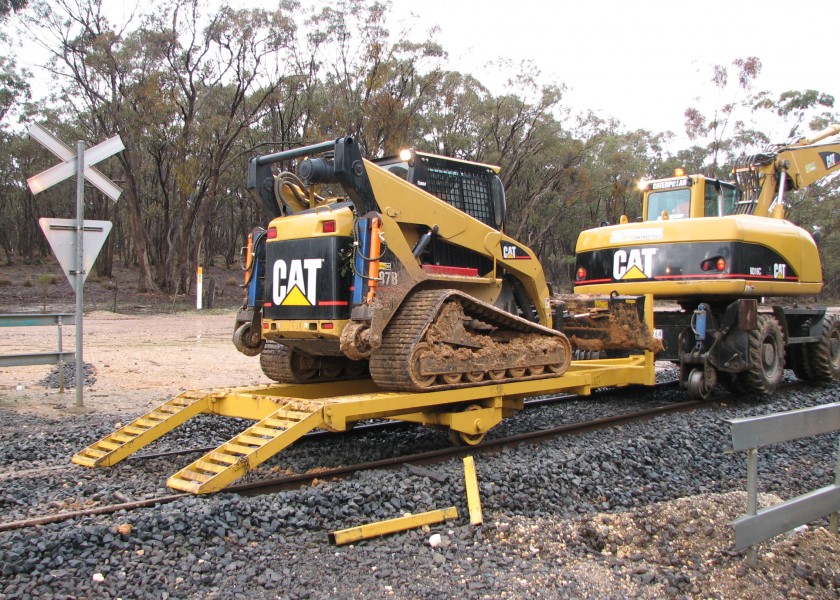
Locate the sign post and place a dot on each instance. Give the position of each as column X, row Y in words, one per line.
column 80, row 268
column 79, row 164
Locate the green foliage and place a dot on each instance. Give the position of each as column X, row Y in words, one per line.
column 195, row 88
column 7, row 6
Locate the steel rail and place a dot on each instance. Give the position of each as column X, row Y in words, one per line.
column 271, row 485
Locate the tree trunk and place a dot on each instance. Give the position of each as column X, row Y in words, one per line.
column 145, row 283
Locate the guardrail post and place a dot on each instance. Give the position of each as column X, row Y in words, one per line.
column 60, row 359
column 752, row 433
column 752, row 496
column 835, row 515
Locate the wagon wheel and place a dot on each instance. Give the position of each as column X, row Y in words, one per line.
column 459, row 438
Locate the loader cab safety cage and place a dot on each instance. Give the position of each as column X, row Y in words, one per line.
column 473, row 188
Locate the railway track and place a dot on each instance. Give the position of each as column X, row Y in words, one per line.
column 357, row 430
column 271, row 485
column 274, row 484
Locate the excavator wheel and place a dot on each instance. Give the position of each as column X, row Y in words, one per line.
column 249, row 343
column 699, row 386
column 825, row 354
column 767, row 357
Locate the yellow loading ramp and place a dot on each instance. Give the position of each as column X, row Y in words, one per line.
column 285, row 412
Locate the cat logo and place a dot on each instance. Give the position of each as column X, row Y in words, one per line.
column 636, row 263
column 513, row 252
column 297, row 290
column 830, row 159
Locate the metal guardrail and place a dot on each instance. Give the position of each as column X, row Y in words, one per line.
column 39, row 358
column 754, row 432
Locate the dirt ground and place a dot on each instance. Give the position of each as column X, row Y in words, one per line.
column 155, row 346
column 139, row 361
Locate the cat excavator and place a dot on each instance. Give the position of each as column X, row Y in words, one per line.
column 403, row 275
column 716, row 249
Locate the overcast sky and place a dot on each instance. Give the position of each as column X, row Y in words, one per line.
column 641, row 62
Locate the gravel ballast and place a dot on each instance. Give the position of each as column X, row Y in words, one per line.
column 638, row 510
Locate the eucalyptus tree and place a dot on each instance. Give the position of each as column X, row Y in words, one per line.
column 372, row 87
column 220, row 77
column 180, row 85
column 724, row 130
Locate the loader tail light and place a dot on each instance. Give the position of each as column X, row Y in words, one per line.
column 328, row 226
column 721, row 264
column 272, row 233
column 581, row 273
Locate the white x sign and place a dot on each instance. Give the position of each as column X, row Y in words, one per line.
column 68, row 168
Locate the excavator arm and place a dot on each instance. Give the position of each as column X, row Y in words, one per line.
column 802, row 163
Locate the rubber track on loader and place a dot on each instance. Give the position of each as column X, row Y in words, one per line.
column 277, row 362
column 389, row 363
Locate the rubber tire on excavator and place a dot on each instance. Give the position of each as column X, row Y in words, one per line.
column 767, row 357
column 799, row 360
column 825, row 354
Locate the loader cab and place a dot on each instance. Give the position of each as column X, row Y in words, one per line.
column 688, row 196
column 473, row 188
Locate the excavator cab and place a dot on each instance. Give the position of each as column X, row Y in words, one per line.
column 684, row 197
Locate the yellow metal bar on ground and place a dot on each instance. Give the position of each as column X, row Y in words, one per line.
column 371, row 530
column 473, row 498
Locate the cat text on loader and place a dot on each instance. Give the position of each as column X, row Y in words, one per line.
column 717, row 248
column 405, row 276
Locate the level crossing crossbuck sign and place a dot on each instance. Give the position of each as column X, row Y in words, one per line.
column 75, row 250
column 68, row 168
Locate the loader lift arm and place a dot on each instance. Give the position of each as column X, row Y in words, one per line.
column 345, row 167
